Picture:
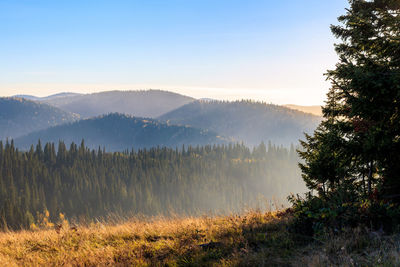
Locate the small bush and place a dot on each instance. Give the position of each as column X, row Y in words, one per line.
column 316, row 215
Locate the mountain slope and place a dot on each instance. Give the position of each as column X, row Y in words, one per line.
column 117, row 132
column 248, row 121
column 20, row 116
column 149, row 104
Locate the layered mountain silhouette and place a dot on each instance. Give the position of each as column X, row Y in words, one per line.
column 247, row 121
column 146, row 103
column 117, row 132
column 182, row 120
column 19, row 116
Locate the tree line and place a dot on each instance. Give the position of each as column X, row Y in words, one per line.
column 86, row 184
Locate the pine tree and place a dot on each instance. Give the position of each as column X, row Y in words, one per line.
column 359, row 140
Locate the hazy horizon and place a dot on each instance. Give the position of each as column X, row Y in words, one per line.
column 275, row 52
column 222, row 98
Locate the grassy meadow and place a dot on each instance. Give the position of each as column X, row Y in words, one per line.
column 251, row 239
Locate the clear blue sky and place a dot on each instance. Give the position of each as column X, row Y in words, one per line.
column 275, row 51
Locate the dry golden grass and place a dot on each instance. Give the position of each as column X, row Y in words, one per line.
column 253, row 239
column 137, row 242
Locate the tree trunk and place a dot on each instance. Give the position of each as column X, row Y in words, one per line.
column 363, row 183
column 370, row 178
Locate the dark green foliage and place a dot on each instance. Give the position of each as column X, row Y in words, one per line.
column 84, row 183
column 367, row 83
column 352, row 160
column 19, row 117
column 117, row 132
column 339, row 211
column 247, row 121
column 327, row 162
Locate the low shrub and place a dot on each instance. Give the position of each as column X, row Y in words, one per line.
column 316, row 215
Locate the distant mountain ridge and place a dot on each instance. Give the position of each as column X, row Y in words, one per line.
column 19, row 116
column 248, row 121
column 46, row 98
column 315, row 110
column 143, row 103
column 117, row 132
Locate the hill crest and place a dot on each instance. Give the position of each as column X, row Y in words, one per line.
column 139, row 103
column 118, row 132
column 245, row 120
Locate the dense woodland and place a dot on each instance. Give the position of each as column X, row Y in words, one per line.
column 83, row 183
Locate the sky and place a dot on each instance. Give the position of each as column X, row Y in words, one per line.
column 267, row 50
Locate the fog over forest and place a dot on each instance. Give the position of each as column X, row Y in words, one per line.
column 125, row 153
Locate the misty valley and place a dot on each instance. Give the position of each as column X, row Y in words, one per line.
column 268, row 142
column 97, row 160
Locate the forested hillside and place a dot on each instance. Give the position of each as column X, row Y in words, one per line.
column 83, row 183
column 20, row 116
column 149, row 103
column 117, row 132
column 248, row 121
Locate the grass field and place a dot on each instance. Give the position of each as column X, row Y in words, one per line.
column 252, row 239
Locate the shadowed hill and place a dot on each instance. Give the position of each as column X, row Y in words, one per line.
column 150, row 103
column 117, row 132
column 248, row 121
column 20, row 116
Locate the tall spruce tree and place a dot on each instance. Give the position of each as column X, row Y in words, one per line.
column 358, row 143
column 352, row 160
